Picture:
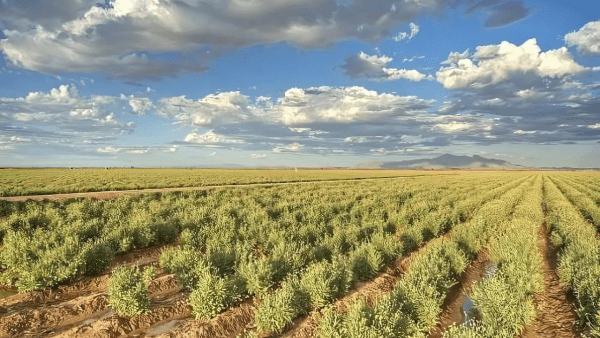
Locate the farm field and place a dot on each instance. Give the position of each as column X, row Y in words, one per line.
column 452, row 254
column 21, row 182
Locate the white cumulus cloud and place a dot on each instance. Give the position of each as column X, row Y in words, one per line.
column 210, row 138
column 414, row 30
column 333, row 104
column 586, row 39
column 497, row 63
column 229, row 106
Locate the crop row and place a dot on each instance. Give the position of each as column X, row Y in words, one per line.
column 413, row 306
column 290, row 299
column 586, row 205
column 579, row 258
column 46, row 243
column 17, row 182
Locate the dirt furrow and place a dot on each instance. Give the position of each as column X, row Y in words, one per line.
column 452, row 309
column 169, row 305
column 556, row 317
column 84, row 287
column 55, row 316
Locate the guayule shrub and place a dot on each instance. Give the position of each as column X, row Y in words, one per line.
column 186, row 264
column 331, row 325
column 281, row 307
column 214, row 294
column 258, row 273
column 127, row 292
column 223, row 260
column 365, row 262
column 98, row 257
column 324, row 282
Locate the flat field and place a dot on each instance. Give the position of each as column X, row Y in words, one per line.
column 20, row 182
column 399, row 257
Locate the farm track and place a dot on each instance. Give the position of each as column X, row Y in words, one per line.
column 107, row 195
column 556, row 317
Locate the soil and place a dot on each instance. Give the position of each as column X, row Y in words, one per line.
column 556, row 317
column 452, row 312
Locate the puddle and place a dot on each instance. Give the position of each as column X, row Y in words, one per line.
column 470, row 313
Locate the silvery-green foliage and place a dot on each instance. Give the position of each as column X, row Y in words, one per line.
column 186, row 264
column 128, row 292
column 331, row 325
column 365, row 262
column 98, row 256
column 214, row 294
column 149, row 272
column 279, row 308
column 258, row 273
column 324, row 282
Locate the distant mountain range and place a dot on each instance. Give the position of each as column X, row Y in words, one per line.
column 446, row 161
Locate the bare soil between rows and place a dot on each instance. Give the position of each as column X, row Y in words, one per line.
column 556, row 317
column 455, row 298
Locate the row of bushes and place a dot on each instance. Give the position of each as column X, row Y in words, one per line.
column 413, row 307
column 587, row 207
column 290, row 257
column 53, row 181
column 579, row 256
column 509, row 291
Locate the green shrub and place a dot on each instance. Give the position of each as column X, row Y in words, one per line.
column 331, row 325
column 127, row 292
column 324, row 282
column 258, row 274
column 186, row 264
column 223, row 260
column 214, row 294
column 165, row 233
column 365, row 262
column 98, row 257
column 281, row 307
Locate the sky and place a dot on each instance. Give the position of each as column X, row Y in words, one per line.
column 307, row 83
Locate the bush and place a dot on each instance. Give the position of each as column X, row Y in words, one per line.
column 165, row 233
column 365, row 262
column 324, row 282
column 186, row 264
column 127, row 292
column 98, row 257
column 214, row 294
column 281, row 307
column 258, row 273
column 149, row 272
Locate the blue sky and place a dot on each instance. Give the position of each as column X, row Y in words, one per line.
column 299, row 83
